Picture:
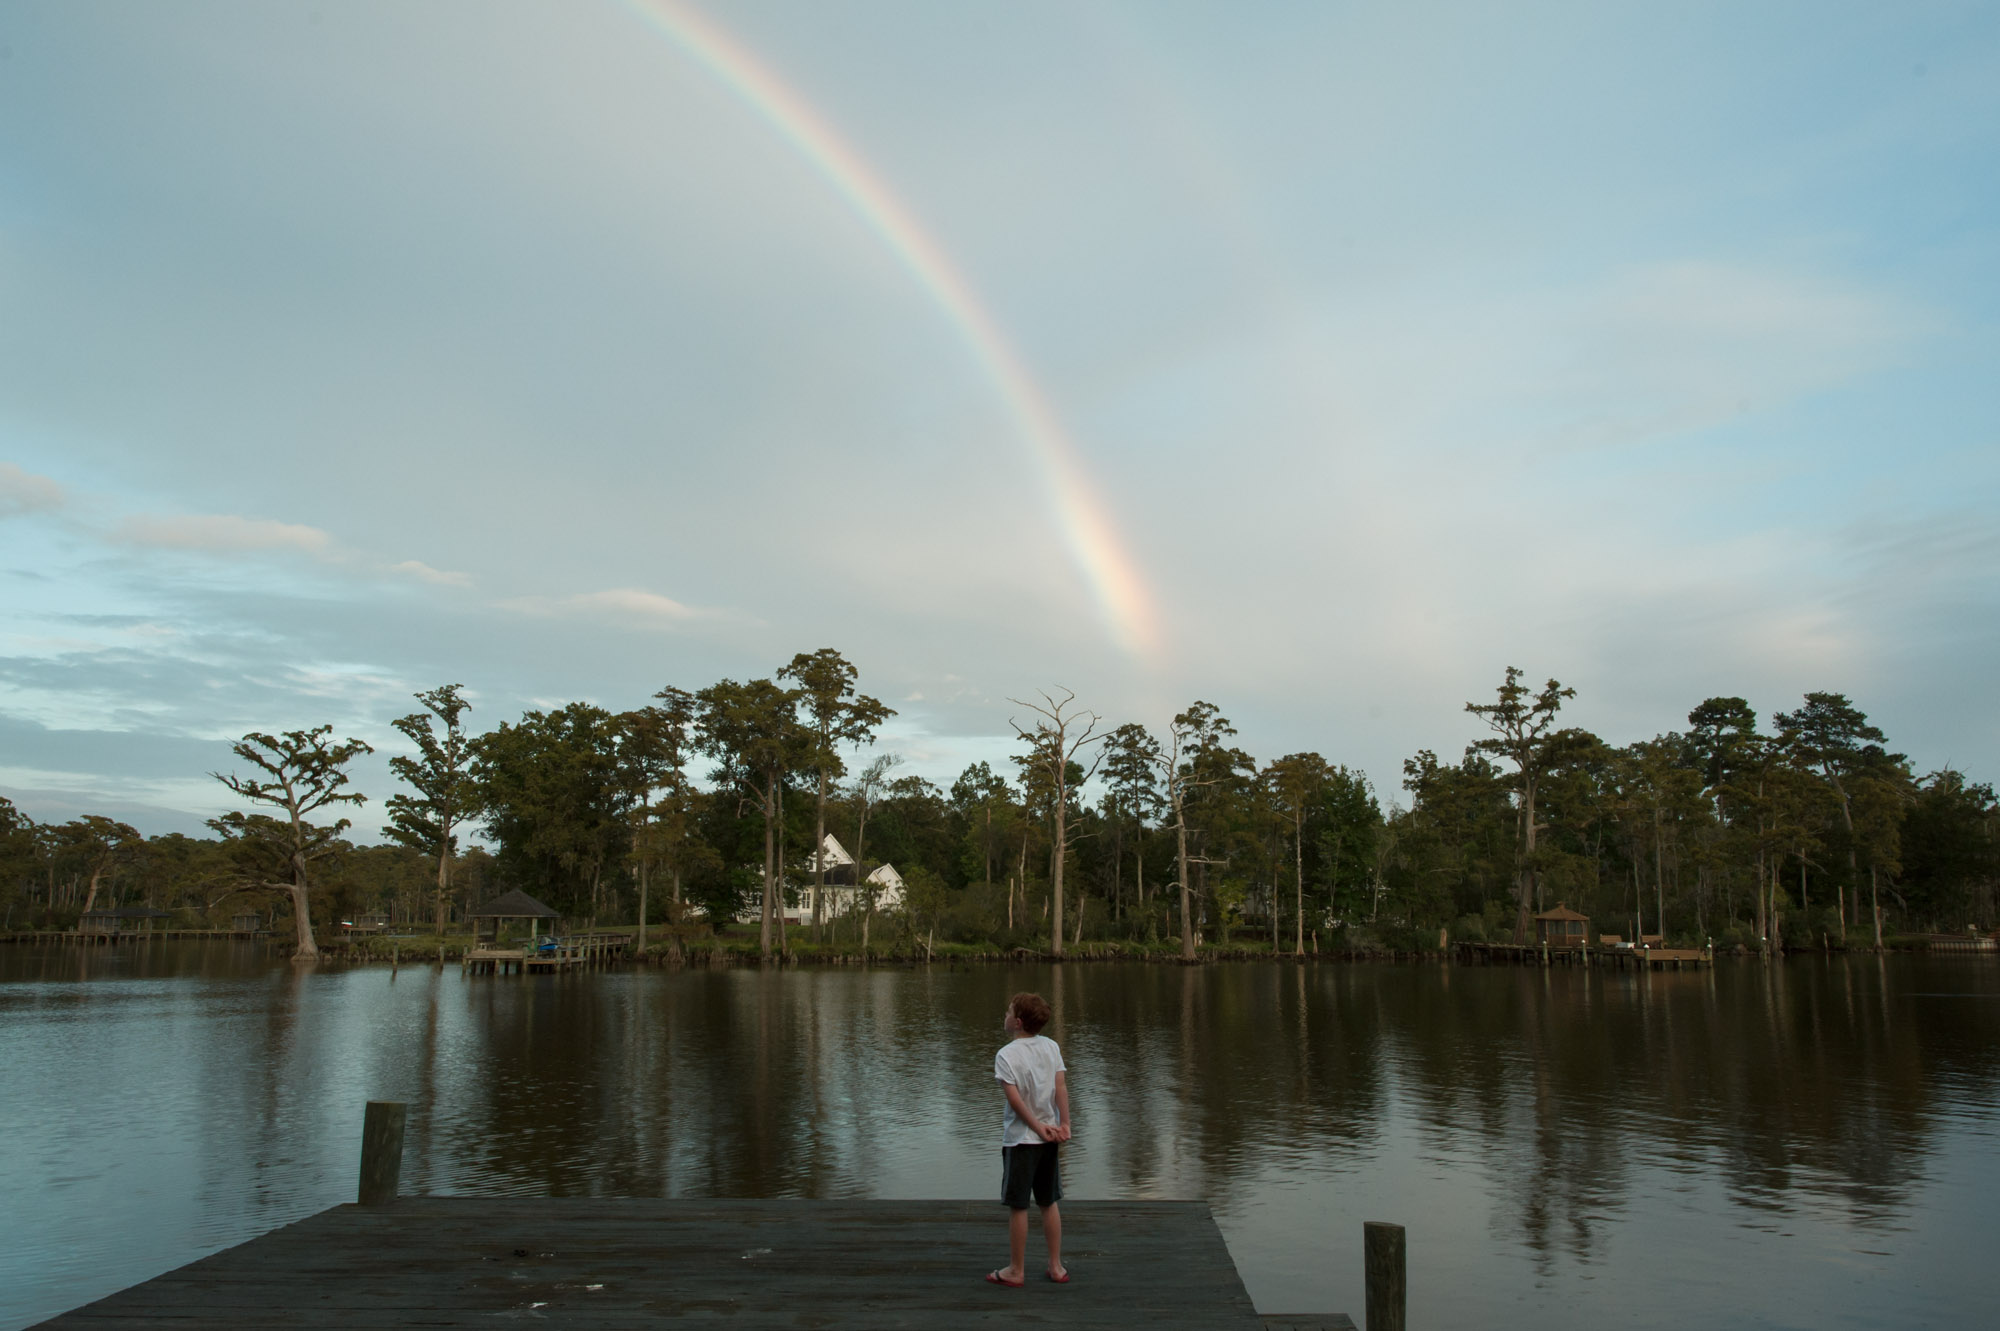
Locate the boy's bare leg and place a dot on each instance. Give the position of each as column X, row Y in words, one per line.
column 1052, row 1231
column 1017, row 1244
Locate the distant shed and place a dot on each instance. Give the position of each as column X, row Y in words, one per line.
column 1561, row 927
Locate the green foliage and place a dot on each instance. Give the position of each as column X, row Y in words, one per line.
column 20, row 861
column 445, row 791
column 1950, row 840
column 1722, row 830
column 553, row 798
column 834, row 715
column 926, row 901
column 985, row 807
column 303, row 774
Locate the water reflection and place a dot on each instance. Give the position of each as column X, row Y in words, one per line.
column 1535, row 1128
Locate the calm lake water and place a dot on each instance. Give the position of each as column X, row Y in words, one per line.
column 1808, row 1144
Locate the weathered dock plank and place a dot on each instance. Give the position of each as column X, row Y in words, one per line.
column 617, row 1263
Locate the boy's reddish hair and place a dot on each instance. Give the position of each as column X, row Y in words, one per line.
column 1033, row 1010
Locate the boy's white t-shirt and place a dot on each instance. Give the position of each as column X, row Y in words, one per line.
column 1030, row 1066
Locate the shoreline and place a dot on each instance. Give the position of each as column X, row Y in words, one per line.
column 727, row 951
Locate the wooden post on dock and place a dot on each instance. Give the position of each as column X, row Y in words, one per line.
column 381, row 1151
column 1382, row 1261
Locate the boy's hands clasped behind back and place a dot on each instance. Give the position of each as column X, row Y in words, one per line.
column 1048, row 1132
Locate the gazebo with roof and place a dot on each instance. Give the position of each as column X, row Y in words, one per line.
column 489, row 920
column 1561, row 927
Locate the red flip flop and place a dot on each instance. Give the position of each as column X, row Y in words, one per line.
column 1062, row 1279
column 995, row 1278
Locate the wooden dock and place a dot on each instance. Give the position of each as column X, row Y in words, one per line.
column 70, row 936
column 574, row 952
column 1968, row 942
column 1542, row 954
column 588, row 1263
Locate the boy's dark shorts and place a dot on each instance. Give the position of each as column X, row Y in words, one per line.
column 1030, row 1168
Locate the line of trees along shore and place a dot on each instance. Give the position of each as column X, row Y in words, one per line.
column 702, row 807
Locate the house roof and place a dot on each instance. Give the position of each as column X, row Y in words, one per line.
column 1561, row 912
column 515, row 905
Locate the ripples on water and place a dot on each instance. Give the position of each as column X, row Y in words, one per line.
column 1806, row 1144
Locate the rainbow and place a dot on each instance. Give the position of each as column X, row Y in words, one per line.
column 1092, row 537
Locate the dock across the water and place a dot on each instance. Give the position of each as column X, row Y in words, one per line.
column 73, row 937
column 571, row 952
column 590, row 1262
column 1544, row 954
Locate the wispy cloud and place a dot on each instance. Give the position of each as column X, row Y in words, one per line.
column 24, row 492
column 436, row 577
column 221, row 533
column 232, row 534
column 638, row 603
column 631, row 605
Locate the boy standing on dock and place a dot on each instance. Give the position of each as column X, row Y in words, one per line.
column 1029, row 1068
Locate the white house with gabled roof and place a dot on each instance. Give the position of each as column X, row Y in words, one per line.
column 842, row 895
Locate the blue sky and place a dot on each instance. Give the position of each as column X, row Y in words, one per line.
column 352, row 349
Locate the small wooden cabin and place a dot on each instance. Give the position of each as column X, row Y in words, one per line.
column 1561, row 927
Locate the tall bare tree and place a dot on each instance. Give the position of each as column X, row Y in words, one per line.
column 835, row 716
column 1056, row 740
column 440, row 776
column 304, row 772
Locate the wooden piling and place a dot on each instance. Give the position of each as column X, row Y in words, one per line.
column 381, row 1151
column 1382, row 1261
